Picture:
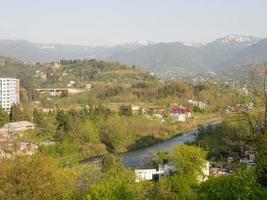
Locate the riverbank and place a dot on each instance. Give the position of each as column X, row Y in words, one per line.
column 181, row 128
column 142, row 157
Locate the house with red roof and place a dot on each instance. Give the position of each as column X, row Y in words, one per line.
column 180, row 114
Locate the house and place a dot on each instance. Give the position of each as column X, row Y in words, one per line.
column 8, row 149
column 71, row 83
column 27, row 148
column 165, row 170
column 205, row 172
column 244, row 91
column 9, row 93
column 88, row 86
column 249, row 158
column 249, row 105
column 199, row 104
column 180, row 114
column 55, row 65
column 154, row 174
column 135, row 109
column 144, row 174
column 217, row 171
column 17, row 128
column 3, row 137
column 43, row 76
column 48, row 108
column 158, row 116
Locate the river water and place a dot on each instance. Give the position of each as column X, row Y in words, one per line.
column 140, row 158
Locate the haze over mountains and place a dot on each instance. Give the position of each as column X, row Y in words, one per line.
column 171, row 59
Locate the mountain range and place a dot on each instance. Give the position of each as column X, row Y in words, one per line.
column 167, row 59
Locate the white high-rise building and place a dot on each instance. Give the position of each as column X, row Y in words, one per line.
column 9, row 93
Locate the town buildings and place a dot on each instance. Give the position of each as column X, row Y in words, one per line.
column 9, row 93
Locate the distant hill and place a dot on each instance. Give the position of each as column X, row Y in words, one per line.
column 168, row 60
column 80, row 72
column 252, row 54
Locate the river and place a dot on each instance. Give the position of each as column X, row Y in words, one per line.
column 141, row 157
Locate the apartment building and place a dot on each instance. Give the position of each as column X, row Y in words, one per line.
column 9, row 92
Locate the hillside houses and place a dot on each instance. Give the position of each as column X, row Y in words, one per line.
column 240, row 107
column 8, row 149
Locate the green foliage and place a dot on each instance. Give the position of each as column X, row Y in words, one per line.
column 111, row 92
column 241, row 185
column 224, row 139
column 179, row 186
column 261, row 168
column 122, row 133
column 189, row 160
column 35, row 177
column 197, row 109
column 125, row 110
column 17, row 113
column 10, row 67
column 3, row 117
column 174, row 89
column 116, row 183
column 38, row 118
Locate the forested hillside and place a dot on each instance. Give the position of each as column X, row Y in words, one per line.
column 60, row 74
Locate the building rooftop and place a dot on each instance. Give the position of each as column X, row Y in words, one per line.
column 180, row 110
column 17, row 126
column 9, row 79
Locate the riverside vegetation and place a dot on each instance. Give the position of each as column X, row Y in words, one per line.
column 101, row 122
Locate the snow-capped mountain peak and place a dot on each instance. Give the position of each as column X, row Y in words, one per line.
column 51, row 47
column 192, row 44
column 143, row 42
column 235, row 40
column 136, row 44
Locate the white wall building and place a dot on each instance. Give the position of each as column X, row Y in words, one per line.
column 9, row 92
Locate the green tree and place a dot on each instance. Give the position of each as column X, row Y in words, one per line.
column 188, row 159
column 35, row 177
column 125, row 110
column 63, row 125
column 38, row 118
column 3, row 117
column 117, row 183
column 241, row 185
column 189, row 162
column 17, row 113
column 261, row 168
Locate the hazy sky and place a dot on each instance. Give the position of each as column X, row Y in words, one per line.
column 108, row 22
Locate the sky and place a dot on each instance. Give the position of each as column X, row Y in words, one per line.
column 111, row 22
